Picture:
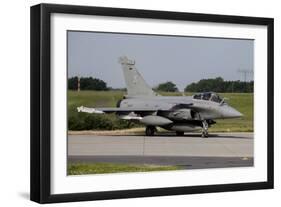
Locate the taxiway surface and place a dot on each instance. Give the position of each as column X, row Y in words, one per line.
column 189, row 151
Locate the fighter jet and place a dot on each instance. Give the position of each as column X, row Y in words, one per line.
column 176, row 113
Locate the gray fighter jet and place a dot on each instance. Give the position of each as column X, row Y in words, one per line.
column 176, row 113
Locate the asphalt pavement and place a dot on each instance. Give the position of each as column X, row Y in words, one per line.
column 189, row 151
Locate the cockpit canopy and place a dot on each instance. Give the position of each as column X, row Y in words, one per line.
column 208, row 96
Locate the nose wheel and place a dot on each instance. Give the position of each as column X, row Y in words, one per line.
column 150, row 130
column 205, row 126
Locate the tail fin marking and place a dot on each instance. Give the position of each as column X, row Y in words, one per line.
column 136, row 85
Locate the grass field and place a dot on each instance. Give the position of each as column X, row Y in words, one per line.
column 100, row 168
column 243, row 102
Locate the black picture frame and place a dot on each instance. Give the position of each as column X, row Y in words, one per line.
column 40, row 102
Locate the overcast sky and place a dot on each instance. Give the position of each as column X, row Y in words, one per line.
column 181, row 60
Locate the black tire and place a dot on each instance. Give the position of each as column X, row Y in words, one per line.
column 205, row 134
column 179, row 133
column 150, row 130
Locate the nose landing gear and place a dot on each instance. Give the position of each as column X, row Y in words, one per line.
column 205, row 126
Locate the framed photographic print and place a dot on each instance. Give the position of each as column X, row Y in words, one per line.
column 133, row 103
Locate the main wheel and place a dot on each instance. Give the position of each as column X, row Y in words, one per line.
column 150, row 130
column 179, row 133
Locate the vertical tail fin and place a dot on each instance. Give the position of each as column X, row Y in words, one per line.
column 136, row 86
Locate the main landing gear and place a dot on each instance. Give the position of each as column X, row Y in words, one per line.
column 179, row 133
column 205, row 126
column 150, row 130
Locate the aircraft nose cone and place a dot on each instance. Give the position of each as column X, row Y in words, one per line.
column 234, row 113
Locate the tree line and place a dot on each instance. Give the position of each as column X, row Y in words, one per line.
column 87, row 83
column 221, row 86
column 216, row 84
